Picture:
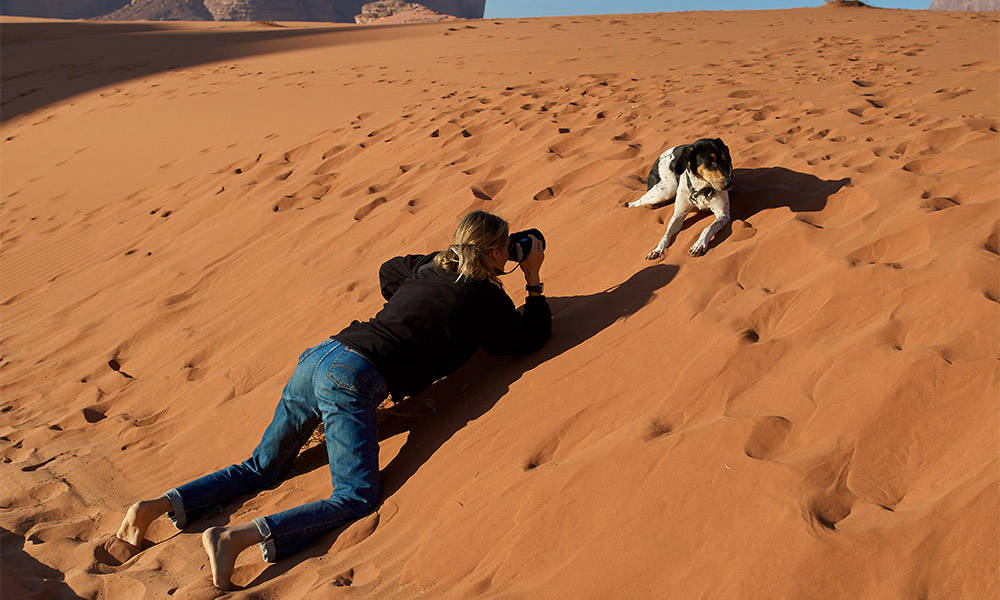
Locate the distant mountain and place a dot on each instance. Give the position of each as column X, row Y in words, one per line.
column 283, row 10
column 398, row 11
column 161, row 10
column 965, row 5
column 342, row 11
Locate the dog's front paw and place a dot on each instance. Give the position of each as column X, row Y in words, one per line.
column 698, row 250
column 630, row 205
column 655, row 254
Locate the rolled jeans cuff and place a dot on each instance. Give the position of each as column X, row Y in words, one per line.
column 176, row 514
column 267, row 548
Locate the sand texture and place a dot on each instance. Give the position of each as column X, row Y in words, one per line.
column 809, row 411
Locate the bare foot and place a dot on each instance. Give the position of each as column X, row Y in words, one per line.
column 223, row 545
column 220, row 555
column 137, row 520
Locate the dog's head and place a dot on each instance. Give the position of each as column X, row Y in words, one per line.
column 708, row 158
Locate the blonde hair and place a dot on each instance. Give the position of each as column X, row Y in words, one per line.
column 477, row 234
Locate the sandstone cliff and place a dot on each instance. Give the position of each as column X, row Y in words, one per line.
column 283, row 10
column 324, row 10
column 222, row 10
column 398, row 11
column 965, row 5
column 161, row 10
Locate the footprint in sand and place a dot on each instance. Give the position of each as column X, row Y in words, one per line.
column 488, row 189
column 113, row 552
column 741, row 230
column 192, row 372
column 938, row 164
column 546, row 452
column 631, row 151
column 656, row 429
column 832, row 508
column 246, row 165
column 367, row 208
column 982, row 124
column 547, row 194
column 766, row 437
column 93, row 414
column 565, row 148
column 315, row 190
column 992, row 244
column 939, row 203
column 360, row 575
column 744, row 93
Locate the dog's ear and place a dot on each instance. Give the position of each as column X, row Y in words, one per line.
column 682, row 160
column 691, row 158
column 723, row 148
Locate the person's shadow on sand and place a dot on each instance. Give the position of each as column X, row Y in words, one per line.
column 473, row 390
column 25, row 577
column 435, row 415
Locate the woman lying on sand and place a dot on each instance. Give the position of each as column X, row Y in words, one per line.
column 441, row 309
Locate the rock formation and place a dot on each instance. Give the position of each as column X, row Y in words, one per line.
column 965, row 5
column 283, row 10
column 398, row 11
column 161, row 10
column 222, row 10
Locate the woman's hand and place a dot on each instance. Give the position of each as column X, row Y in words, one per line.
column 533, row 263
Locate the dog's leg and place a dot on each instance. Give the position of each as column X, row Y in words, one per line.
column 722, row 219
column 681, row 209
column 658, row 194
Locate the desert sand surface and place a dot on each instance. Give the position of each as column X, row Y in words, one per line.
column 809, row 411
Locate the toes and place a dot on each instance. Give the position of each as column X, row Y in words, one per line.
column 655, row 254
column 696, row 251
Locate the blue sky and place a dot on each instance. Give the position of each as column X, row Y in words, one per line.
column 496, row 9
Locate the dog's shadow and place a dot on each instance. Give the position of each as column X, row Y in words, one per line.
column 432, row 417
column 765, row 188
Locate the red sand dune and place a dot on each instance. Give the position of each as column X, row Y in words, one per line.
column 807, row 411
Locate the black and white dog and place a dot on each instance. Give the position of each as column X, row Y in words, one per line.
column 698, row 176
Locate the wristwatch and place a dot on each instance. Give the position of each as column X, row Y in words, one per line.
column 537, row 289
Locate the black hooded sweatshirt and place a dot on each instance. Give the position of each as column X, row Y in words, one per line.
column 432, row 323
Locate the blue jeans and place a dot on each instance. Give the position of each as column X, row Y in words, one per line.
column 334, row 385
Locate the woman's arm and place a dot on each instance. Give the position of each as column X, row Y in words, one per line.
column 510, row 332
column 526, row 331
column 394, row 272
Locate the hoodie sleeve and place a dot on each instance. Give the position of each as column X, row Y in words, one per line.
column 512, row 332
column 394, row 272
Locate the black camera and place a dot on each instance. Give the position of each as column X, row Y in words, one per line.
column 519, row 244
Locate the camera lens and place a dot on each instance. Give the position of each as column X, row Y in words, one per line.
column 520, row 244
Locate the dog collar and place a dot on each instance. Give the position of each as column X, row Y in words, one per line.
column 705, row 191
